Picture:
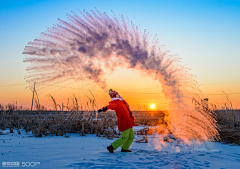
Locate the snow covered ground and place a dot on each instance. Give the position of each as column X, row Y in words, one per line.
column 24, row 151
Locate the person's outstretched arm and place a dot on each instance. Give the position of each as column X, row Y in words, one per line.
column 102, row 109
column 110, row 106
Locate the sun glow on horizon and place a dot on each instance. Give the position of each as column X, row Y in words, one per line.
column 152, row 106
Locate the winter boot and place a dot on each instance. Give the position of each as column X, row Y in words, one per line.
column 125, row 150
column 110, row 149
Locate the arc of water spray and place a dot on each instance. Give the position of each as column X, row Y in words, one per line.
column 87, row 45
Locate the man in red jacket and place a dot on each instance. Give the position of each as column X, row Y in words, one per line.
column 125, row 122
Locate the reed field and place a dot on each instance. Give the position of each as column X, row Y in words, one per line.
column 71, row 118
column 60, row 123
column 229, row 125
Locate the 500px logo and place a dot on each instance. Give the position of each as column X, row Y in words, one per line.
column 30, row 164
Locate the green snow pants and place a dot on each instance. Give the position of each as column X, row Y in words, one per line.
column 126, row 139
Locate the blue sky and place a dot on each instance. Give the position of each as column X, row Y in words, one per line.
column 204, row 33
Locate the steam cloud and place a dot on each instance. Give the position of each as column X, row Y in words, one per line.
column 85, row 46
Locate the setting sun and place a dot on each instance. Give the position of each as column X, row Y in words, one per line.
column 152, row 106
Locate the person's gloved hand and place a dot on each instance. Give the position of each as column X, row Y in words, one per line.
column 102, row 109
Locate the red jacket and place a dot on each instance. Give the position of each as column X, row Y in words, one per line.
column 125, row 118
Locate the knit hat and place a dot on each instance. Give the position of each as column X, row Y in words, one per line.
column 113, row 93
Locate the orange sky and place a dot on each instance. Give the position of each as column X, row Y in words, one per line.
column 139, row 91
